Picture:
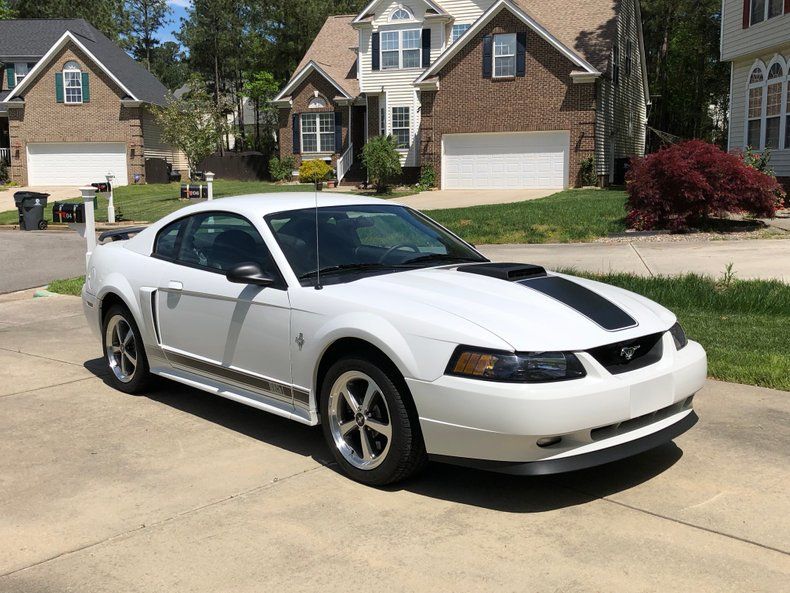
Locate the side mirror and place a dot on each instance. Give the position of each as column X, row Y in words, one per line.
column 249, row 273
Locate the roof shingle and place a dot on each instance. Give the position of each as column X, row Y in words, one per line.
column 335, row 50
column 32, row 38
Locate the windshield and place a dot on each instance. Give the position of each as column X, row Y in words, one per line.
column 363, row 240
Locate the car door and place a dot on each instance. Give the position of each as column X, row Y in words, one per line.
column 236, row 333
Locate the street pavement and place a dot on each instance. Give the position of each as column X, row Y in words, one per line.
column 180, row 490
column 34, row 258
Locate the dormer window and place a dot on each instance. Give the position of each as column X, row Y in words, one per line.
column 401, row 14
column 20, row 71
column 72, row 83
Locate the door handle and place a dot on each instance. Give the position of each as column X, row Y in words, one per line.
column 175, row 285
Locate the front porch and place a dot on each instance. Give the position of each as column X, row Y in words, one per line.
column 5, row 141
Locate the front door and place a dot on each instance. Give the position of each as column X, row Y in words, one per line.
column 235, row 333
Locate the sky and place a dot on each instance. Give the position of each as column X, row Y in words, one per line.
column 179, row 11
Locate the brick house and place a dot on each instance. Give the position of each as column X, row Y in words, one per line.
column 74, row 106
column 755, row 40
column 490, row 93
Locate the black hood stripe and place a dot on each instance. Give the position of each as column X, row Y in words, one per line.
column 590, row 304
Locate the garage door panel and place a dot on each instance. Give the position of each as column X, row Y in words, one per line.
column 76, row 163
column 529, row 160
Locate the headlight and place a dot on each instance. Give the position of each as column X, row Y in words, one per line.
column 679, row 336
column 519, row 367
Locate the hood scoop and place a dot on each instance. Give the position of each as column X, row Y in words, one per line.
column 505, row 271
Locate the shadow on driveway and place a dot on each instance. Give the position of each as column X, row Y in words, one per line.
column 501, row 492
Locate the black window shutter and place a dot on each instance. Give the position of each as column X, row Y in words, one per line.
column 521, row 53
column 374, row 51
column 338, row 132
column 297, row 137
column 426, row 48
column 487, row 42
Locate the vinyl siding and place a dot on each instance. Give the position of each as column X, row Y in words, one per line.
column 465, row 12
column 621, row 114
column 395, row 87
column 739, row 42
column 155, row 148
column 780, row 159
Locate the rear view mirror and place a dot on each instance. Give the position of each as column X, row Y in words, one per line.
column 249, row 273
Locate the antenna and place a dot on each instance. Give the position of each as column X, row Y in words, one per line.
column 317, row 248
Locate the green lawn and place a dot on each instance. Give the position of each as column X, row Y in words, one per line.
column 566, row 217
column 151, row 202
column 744, row 325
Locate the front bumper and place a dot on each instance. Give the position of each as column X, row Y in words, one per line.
column 479, row 420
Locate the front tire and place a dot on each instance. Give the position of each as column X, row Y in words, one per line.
column 124, row 351
column 367, row 424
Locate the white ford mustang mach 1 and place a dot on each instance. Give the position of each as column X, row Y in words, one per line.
column 395, row 335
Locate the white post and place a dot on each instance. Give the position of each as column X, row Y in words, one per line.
column 111, row 206
column 210, row 184
column 88, row 193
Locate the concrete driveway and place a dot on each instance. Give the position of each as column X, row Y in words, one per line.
column 55, row 193
column 461, row 198
column 179, row 490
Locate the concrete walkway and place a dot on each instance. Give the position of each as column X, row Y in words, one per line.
column 461, row 198
column 55, row 193
column 759, row 258
column 181, row 490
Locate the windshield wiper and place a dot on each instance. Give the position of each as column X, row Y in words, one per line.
column 438, row 257
column 345, row 267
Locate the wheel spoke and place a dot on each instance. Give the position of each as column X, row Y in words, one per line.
column 366, row 453
column 347, row 427
column 379, row 427
column 118, row 333
column 131, row 359
column 129, row 336
column 115, row 349
column 122, row 362
column 350, row 399
column 371, row 391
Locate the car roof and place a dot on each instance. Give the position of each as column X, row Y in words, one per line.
column 262, row 204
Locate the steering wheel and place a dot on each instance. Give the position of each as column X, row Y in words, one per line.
column 387, row 253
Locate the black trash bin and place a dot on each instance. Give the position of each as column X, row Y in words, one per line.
column 31, row 206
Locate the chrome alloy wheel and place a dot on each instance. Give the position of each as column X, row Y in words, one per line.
column 359, row 420
column 121, row 348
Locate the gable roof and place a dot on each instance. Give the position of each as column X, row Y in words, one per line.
column 34, row 38
column 365, row 13
column 333, row 54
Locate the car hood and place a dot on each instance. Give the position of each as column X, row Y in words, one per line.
column 525, row 318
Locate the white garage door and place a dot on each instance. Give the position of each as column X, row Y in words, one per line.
column 522, row 160
column 76, row 163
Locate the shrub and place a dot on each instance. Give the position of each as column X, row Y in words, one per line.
column 314, row 171
column 382, row 161
column 4, row 176
column 587, row 173
column 680, row 186
column 758, row 160
column 282, row 169
column 427, row 178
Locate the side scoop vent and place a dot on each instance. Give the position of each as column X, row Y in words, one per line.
column 505, row 271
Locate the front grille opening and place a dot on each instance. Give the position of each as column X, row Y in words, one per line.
column 643, row 352
column 606, row 432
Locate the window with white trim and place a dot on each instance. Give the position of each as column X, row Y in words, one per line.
column 401, row 49
column 773, row 107
column 20, row 71
column 754, row 117
column 72, row 83
column 458, row 30
column 762, row 10
column 504, row 55
column 401, row 126
column 318, row 132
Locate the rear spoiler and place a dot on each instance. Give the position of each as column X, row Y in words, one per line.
column 123, row 234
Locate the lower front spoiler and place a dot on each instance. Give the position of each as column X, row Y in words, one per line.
column 577, row 462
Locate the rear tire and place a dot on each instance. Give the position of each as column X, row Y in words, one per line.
column 124, row 351
column 367, row 424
